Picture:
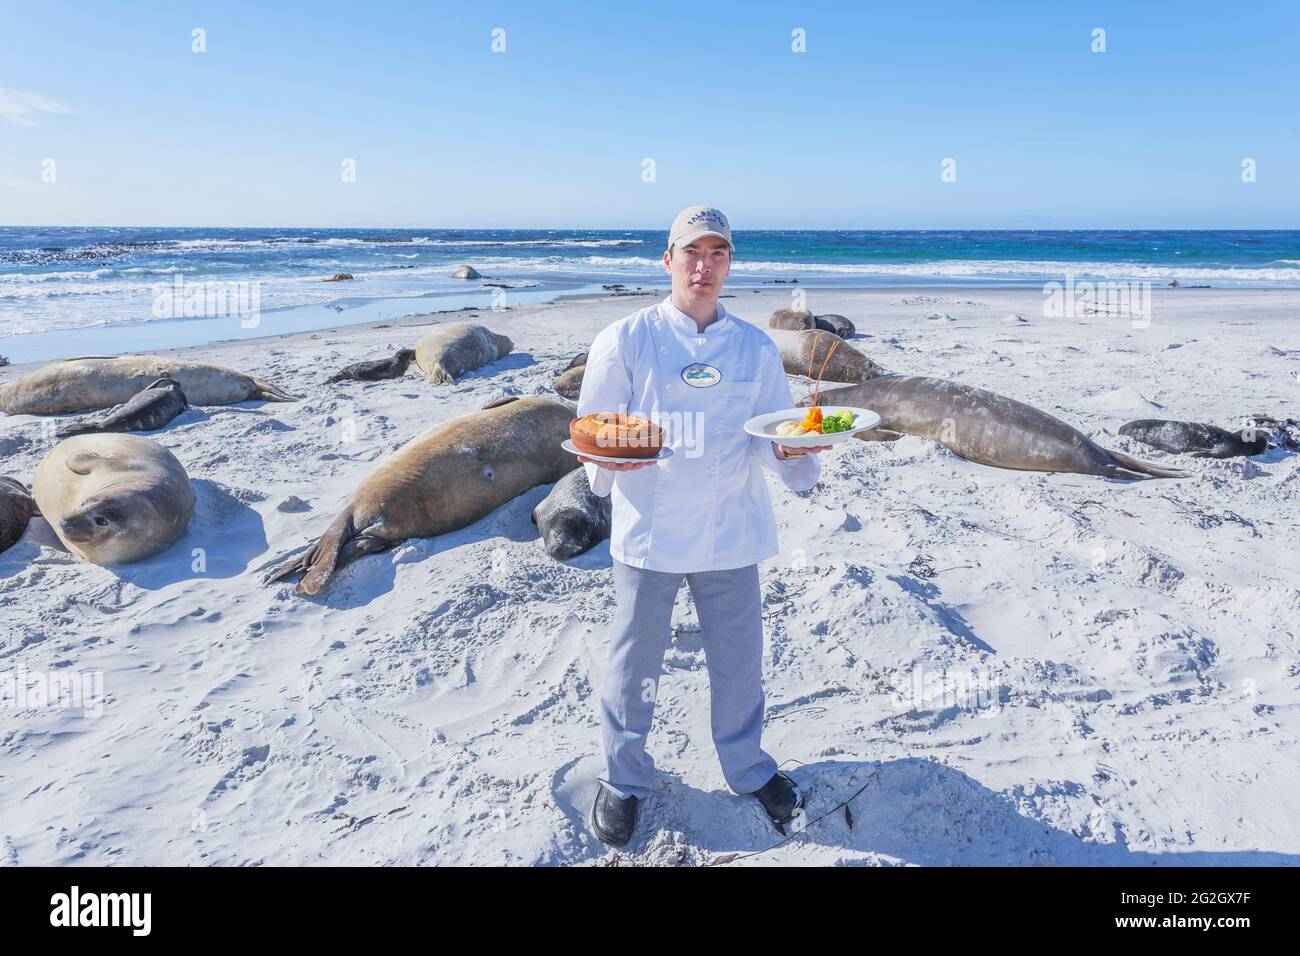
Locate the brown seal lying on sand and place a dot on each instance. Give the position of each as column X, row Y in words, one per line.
column 113, row 499
column 449, row 351
column 806, row 353
column 95, row 382
column 794, row 320
column 445, row 478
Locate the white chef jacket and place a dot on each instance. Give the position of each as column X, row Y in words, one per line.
column 706, row 507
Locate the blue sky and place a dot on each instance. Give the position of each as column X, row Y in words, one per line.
column 553, row 132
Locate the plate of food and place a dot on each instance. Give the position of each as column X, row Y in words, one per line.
column 808, row 427
column 613, row 436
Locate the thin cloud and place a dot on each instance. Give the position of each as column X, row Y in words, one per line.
column 19, row 107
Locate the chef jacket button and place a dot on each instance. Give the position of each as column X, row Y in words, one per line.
column 717, row 429
column 664, row 349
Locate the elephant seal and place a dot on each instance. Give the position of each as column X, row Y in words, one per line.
column 803, row 353
column 113, row 499
column 569, row 385
column 393, row 367
column 579, row 359
column 836, row 324
column 572, row 519
column 17, row 508
column 985, row 427
column 95, row 382
column 445, row 478
column 451, row 350
column 793, row 320
column 1201, row 440
column 147, row 411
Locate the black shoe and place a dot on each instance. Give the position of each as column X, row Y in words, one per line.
column 613, row 819
column 780, row 797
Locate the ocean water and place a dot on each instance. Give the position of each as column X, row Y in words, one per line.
column 63, row 290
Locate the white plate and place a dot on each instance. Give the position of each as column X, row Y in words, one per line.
column 762, row 426
column 572, row 449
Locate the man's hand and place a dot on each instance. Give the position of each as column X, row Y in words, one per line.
column 617, row 465
column 786, row 452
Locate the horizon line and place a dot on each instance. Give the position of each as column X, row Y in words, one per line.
column 665, row 231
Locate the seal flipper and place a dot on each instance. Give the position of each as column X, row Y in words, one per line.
column 1136, row 468
column 503, row 400
column 440, row 376
column 82, row 427
column 360, row 546
column 319, row 562
column 82, row 462
column 268, row 392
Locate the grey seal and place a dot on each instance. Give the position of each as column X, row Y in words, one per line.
column 984, row 427
column 1196, row 438
column 394, row 366
column 836, row 324
column 146, row 411
column 17, row 508
column 572, row 519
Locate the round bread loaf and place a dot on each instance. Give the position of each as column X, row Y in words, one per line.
column 615, row 435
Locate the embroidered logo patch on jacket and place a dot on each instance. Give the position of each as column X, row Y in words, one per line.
column 701, row 376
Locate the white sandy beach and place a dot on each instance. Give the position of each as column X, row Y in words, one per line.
column 437, row 704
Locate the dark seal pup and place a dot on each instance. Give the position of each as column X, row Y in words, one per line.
column 1196, row 438
column 17, row 508
column 572, row 519
column 837, row 324
column 146, row 411
column 393, row 367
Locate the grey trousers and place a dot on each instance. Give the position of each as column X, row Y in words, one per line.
column 732, row 623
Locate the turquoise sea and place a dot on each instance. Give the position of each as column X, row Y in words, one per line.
column 63, row 289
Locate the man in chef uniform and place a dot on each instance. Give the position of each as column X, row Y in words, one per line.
column 702, row 515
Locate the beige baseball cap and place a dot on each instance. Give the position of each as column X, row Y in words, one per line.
column 696, row 222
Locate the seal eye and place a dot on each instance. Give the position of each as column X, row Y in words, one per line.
column 487, row 472
column 101, row 521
